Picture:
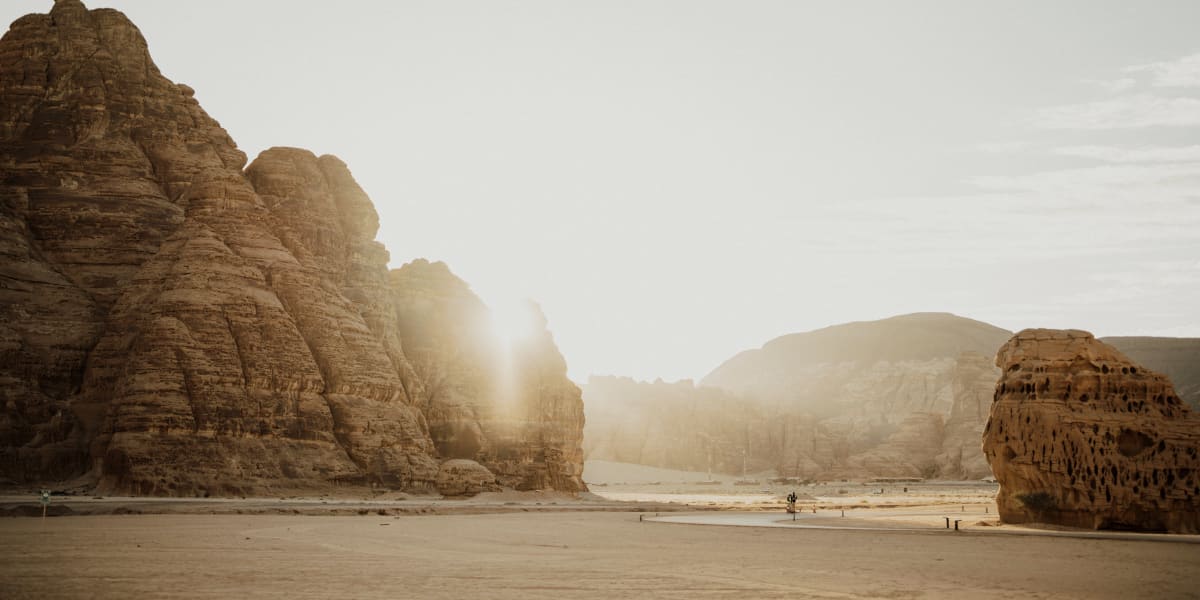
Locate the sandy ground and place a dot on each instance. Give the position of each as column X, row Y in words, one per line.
column 642, row 534
column 559, row 555
column 636, row 483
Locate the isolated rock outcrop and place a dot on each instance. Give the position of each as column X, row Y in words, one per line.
column 172, row 324
column 1080, row 435
column 462, row 477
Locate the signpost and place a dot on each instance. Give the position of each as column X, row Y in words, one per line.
column 45, row 500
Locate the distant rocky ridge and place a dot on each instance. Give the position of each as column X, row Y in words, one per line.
column 172, row 324
column 901, row 397
column 1080, row 435
column 671, row 425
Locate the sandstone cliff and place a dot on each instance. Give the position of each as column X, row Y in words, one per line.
column 1081, row 435
column 506, row 404
column 173, row 324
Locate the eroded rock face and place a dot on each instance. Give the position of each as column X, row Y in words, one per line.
column 96, row 149
column 173, row 325
column 508, row 406
column 1080, row 435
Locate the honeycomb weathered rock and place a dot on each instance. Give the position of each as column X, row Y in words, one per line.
column 1080, row 435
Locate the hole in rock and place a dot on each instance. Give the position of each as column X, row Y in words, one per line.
column 1133, row 443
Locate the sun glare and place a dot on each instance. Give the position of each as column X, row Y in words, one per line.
column 512, row 321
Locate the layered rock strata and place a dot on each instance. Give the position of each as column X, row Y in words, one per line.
column 1080, row 435
column 176, row 325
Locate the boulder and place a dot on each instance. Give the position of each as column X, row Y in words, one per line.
column 1080, row 435
column 462, row 477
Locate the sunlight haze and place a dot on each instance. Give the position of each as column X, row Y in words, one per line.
column 674, row 182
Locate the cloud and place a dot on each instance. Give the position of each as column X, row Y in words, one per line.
column 1107, row 181
column 1007, row 147
column 1180, row 72
column 1114, row 85
column 1139, row 110
column 1133, row 155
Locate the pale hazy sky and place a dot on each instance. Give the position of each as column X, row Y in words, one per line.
column 678, row 181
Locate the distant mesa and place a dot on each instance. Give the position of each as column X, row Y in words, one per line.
column 900, row 397
column 1081, row 435
column 173, row 322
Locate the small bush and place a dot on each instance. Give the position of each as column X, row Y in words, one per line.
column 1038, row 502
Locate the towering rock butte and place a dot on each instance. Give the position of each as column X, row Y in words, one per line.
column 171, row 324
column 1080, row 435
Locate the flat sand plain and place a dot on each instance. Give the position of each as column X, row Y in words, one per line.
column 890, row 542
column 556, row 554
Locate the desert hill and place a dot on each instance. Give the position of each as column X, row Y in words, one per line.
column 777, row 370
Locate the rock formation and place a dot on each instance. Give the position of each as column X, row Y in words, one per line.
column 172, row 324
column 506, row 404
column 461, row 477
column 1080, row 435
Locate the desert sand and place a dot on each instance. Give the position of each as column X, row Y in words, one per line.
column 559, row 554
column 890, row 543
